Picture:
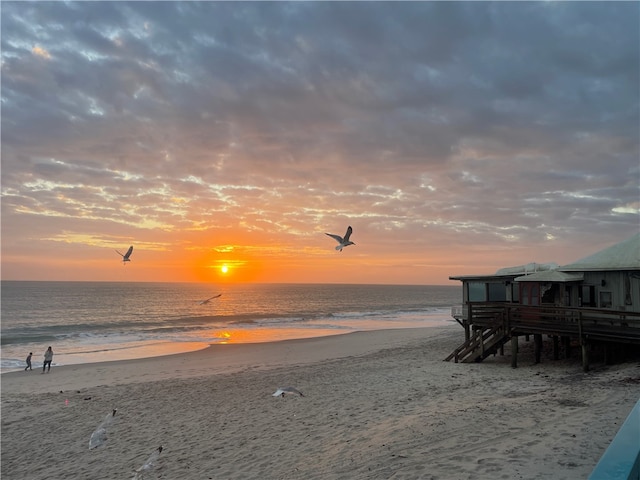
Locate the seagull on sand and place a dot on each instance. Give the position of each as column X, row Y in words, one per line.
column 149, row 464
column 99, row 436
column 343, row 241
column 204, row 302
column 125, row 257
column 282, row 391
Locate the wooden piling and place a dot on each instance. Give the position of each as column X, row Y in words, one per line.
column 556, row 347
column 514, row 352
column 537, row 346
column 585, row 355
column 566, row 342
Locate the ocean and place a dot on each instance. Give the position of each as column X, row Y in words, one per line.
column 88, row 322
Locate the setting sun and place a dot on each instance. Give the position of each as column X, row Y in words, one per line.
column 224, row 268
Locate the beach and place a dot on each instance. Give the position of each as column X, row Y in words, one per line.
column 377, row 405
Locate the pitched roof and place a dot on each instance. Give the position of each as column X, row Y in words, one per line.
column 621, row 256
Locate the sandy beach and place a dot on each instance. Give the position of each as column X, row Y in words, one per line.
column 377, row 405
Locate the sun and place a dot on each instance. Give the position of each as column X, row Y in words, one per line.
column 224, row 268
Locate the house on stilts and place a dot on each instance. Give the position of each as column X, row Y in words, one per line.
column 593, row 302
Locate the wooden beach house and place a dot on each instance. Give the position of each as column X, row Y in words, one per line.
column 594, row 302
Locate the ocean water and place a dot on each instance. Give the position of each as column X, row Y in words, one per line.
column 89, row 322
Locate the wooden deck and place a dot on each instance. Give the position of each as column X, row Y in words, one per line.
column 488, row 326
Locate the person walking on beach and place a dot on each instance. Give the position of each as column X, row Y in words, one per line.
column 48, row 357
column 28, row 367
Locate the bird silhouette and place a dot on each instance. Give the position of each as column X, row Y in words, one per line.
column 204, row 302
column 125, row 257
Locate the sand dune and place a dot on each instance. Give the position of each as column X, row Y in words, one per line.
column 377, row 405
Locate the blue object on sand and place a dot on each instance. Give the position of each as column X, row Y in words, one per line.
column 621, row 460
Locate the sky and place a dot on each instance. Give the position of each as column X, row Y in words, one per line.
column 456, row 138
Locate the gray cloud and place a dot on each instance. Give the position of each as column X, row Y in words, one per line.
column 470, row 123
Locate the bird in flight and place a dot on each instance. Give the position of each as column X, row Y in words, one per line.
column 149, row 464
column 204, row 302
column 282, row 391
column 125, row 257
column 343, row 241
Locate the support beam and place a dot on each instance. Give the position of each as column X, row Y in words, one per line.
column 585, row 355
column 608, row 353
column 514, row 352
column 537, row 346
column 556, row 347
column 566, row 342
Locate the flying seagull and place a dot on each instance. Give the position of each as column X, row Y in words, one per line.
column 204, row 302
column 343, row 241
column 99, row 436
column 125, row 257
column 282, row 391
column 149, row 464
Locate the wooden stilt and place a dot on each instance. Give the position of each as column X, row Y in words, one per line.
column 537, row 346
column 608, row 354
column 566, row 341
column 556, row 347
column 514, row 352
column 585, row 356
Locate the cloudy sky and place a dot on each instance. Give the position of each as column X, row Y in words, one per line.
column 456, row 138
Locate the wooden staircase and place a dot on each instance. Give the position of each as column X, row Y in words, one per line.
column 482, row 343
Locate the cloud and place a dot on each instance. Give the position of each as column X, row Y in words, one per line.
column 449, row 122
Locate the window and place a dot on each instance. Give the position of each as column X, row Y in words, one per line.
column 515, row 292
column 605, row 299
column 477, row 292
column 587, row 296
column 497, row 292
column 549, row 293
column 530, row 294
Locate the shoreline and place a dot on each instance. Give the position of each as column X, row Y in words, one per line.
column 226, row 359
column 377, row 405
column 93, row 354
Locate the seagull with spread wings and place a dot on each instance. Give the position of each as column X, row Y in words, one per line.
column 125, row 257
column 99, row 436
column 282, row 391
column 204, row 302
column 342, row 241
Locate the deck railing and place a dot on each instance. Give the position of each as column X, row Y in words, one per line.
column 591, row 323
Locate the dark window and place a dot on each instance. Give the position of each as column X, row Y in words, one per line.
column 549, row 294
column 587, row 296
column 605, row 299
column 530, row 294
column 497, row 292
column 477, row 292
